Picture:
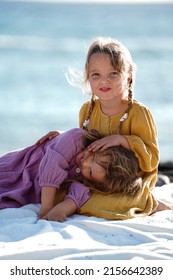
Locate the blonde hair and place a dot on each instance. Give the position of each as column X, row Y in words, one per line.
column 122, row 168
column 121, row 61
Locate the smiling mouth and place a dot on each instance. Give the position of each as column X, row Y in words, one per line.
column 104, row 89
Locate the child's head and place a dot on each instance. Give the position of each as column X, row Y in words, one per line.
column 120, row 167
column 120, row 58
column 115, row 62
column 121, row 171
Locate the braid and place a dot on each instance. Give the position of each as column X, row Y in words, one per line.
column 130, row 102
column 90, row 109
column 130, row 94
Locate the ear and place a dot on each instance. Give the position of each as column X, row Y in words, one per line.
column 129, row 79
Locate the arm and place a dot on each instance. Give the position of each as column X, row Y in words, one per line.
column 143, row 139
column 77, row 195
column 47, row 200
column 141, row 132
column 107, row 141
column 60, row 211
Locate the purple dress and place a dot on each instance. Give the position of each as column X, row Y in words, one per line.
column 24, row 172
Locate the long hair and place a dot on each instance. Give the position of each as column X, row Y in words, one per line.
column 121, row 61
column 122, row 168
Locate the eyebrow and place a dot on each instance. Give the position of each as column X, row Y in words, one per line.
column 94, row 71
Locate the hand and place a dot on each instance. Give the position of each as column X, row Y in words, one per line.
column 60, row 211
column 55, row 215
column 49, row 136
column 43, row 211
column 108, row 141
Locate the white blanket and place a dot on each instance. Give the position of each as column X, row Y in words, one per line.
column 24, row 237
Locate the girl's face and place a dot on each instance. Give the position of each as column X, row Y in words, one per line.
column 89, row 168
column 104, row 80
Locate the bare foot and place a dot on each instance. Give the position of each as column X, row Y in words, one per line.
column 163, row 206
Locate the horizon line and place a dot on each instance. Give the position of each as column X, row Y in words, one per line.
column 95, row 1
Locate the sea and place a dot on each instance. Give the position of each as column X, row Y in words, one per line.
column 39, row 41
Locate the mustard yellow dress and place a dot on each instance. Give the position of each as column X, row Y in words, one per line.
column 141, row 132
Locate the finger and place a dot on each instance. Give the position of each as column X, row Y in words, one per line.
column 53, row 219
column 41, row 140
column 38, row 142
column 42, row 217
column 104, row 147
column 93, row 146
column 61, row 219
column 50, row 137
column 96, row 148
column 99, row 145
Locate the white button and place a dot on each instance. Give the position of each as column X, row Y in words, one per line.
column 77, row 170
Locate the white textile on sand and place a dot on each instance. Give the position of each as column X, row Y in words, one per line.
column 23, row 236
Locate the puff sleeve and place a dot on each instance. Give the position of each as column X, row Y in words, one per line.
column 78, row 193
column 59, row 155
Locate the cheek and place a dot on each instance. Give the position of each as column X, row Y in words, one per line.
column 120, row 84
column 93, row 83
column 84, row 173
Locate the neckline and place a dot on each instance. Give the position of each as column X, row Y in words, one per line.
column 119, row 115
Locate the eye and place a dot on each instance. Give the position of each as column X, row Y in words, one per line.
column 113, row 74
column 95, row 75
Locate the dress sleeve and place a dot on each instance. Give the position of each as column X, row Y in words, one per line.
column 143, row 140
column 58, row 155
column 78, row 193
column 52, row 170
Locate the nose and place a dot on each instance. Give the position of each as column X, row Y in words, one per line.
column 104, row 78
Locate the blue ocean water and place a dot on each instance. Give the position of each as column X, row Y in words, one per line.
column 38, row 41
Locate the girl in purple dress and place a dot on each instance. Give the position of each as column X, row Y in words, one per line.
column 33, row 174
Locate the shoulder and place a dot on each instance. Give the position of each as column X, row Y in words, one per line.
column 138, row 104
column 68, row 140
column 72, row 135
column 86, row 105
column 139, row 107
column 85, row 109
column 74, row 132
column 142, row 114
